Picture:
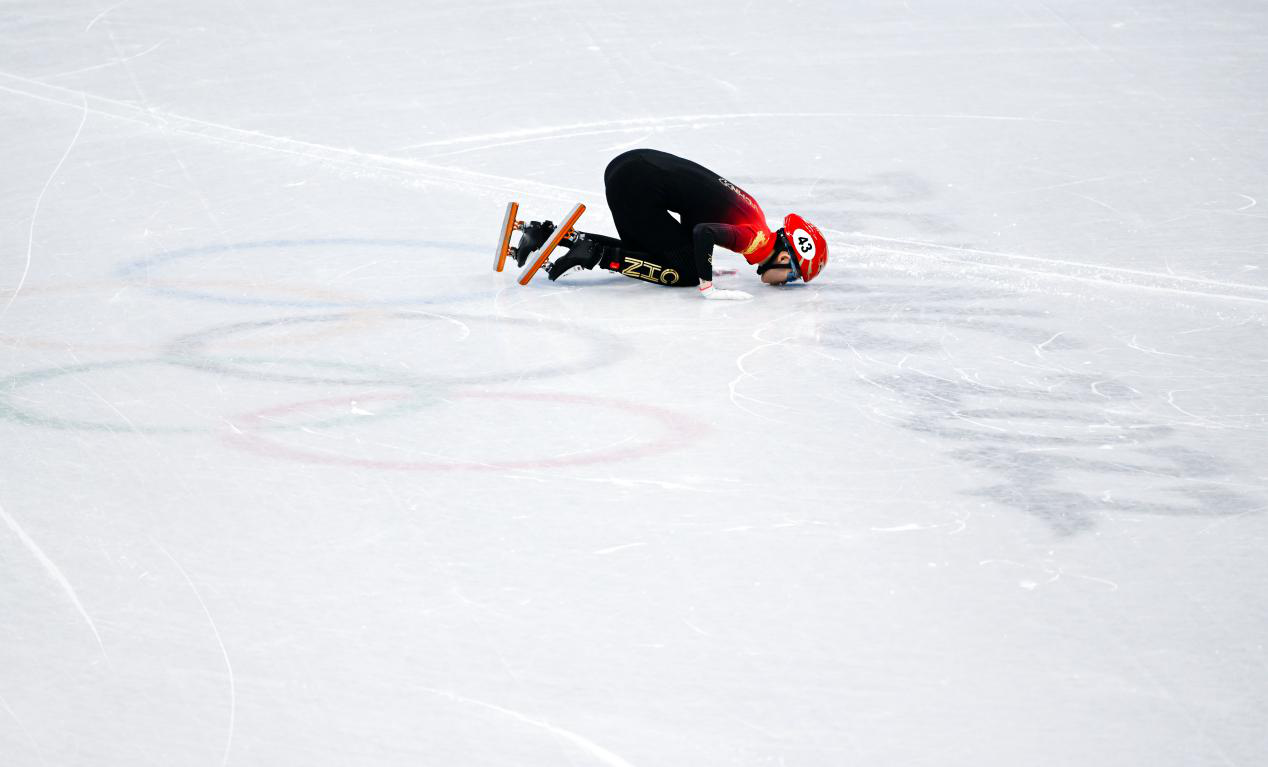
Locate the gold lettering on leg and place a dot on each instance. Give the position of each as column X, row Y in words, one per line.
column 648, row 272
column 631, row 267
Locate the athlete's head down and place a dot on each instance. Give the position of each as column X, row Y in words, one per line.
column 800, row 253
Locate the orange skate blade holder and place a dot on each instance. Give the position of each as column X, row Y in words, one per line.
column 565, row 227
column 508, row 226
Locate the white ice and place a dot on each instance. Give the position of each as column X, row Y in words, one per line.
column 290, row 476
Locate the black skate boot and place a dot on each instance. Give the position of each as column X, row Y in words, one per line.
column 533, row 237
column 583, row 253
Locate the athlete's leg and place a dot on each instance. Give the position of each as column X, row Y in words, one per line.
column 637, row 201
column 590, row 250
column 658, row 268
column 653, row 246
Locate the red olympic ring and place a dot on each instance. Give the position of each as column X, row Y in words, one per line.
column 679, row 432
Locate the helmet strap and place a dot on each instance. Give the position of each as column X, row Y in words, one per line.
column 782, row 245
column 772, row 261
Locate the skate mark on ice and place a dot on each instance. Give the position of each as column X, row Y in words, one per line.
column 1104, row 205
column 103, row 14
column 620, row 547
column 55, row 573
column 157, row 119
column 466, row 329
column 1073, row 270
column 585, row 744
column 35, row 746
column 891, row 187
column 1136, row 345
column 576, row 134
column 696, row 628
column 1052, row 571
column 733, row 387
column 874, row 198
column 233, row 686
column 547, row 133
column 35, row 214
column 639, row 140
column 1062, row 185
column 911, row 527
column 112, row 63
column 1039, row 347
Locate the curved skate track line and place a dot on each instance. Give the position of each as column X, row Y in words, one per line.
column 679, row 431
column 1036, row 266
column 604, row 349
column 168, row 122
column 136, row 273
column 418, row 170
column 600, row 753
column 414, row 398
column 636, row 124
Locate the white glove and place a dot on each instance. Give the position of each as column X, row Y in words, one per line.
column 716, row 294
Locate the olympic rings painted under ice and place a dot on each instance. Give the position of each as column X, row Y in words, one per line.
column 677, row 431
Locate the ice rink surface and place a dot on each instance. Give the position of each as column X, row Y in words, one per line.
column 289, row 476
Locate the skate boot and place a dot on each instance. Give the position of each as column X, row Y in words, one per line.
column 560, row 234
column 532, row 237
column 583, row 253
column 538, row 239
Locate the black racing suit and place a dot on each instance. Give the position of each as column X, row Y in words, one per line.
column 645, row 185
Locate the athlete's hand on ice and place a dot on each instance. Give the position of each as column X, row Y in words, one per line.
column 716, row 294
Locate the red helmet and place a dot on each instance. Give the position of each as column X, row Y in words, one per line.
column 806, row 247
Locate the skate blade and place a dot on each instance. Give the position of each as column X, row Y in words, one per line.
column 508, row 226
column 561, row 232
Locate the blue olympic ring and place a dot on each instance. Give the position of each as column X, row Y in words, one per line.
column 130, row 270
